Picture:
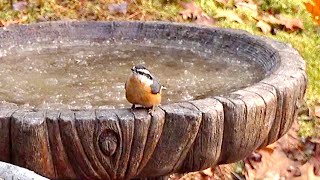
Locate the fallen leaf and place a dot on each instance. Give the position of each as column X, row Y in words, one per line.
column 314, row 10
column 307, row 173
column 19, row 6
column 223, row 2
column 281, row 160
column 221, row 172
column 291, row 23
column 229, row 16
column 21, row 20
column 317, row 111
column 270, row 148
column 247, row 6
column 120, row 8
column 255, row 156
column 215, row 173
column 316, row 159
column 265, row 27
column 195, row 13
column 205, row 20
column 269, row 18
column 305, row 117
column 316, row 141
column 191, row 10
column 311, row 174
column 196, row 176
column 250, row 9
column 276, row 164
column 294, row 171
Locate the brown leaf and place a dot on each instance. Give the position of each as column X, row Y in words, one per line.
column 307, row 173
column 270, row 148
column 316, row 159
column 274, row 164
column 294, row 171
column 291, row 23
column 11, row 22
column 195, row 176
column 283, row 161
column 191, row 10
column 255, row 156
column 248, row 6
column 19, row 6
column 220, row 172
column 265, row 27
column 195, row 13
column 229, row 16
column 120, row 8
column 223, row 2
column 317, row 111
column 269, row 18
column 205, row 20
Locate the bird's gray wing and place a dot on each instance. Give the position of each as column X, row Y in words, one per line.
column 155, row 87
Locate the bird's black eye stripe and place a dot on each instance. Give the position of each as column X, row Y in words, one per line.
column 144, row 74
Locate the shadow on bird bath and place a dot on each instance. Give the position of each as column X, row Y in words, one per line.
column 63, row 90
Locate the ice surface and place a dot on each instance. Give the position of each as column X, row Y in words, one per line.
column 82, row 76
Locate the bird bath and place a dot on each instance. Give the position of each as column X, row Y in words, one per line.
column 64, row 114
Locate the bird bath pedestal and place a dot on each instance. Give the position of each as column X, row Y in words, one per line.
column 178, row 137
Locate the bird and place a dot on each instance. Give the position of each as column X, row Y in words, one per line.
column 143, row 88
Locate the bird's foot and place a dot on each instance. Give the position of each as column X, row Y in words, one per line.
column 132, row 107
column 151, row 110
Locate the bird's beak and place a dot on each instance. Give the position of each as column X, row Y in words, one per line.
column 163, row 88
column 132, row 69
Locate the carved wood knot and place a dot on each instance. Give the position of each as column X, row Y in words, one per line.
column 108, row 142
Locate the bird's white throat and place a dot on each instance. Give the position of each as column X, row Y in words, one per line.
column 143, row 79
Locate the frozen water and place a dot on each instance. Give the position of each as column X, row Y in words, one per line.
column 82, row 76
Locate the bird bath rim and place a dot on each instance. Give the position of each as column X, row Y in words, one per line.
column 198, row 134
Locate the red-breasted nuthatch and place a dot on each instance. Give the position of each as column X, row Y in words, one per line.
column 142, row 88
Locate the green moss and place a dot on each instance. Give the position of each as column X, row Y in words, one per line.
column 238, row 168
column 306, row 129
column 156, row 10
column 283, row 6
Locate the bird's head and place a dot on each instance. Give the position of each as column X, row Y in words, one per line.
column 142, row 73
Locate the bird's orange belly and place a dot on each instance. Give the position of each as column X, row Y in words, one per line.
column 137, row 93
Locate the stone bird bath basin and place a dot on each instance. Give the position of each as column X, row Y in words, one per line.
column 184, row 136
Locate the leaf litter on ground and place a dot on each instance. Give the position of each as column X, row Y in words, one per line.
column 265, row 27
column 265, row 21
column 120, row 8
column 291, row 157
column 20, row 5
column 229, row 16
column 285, row 160
column 194, row 13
